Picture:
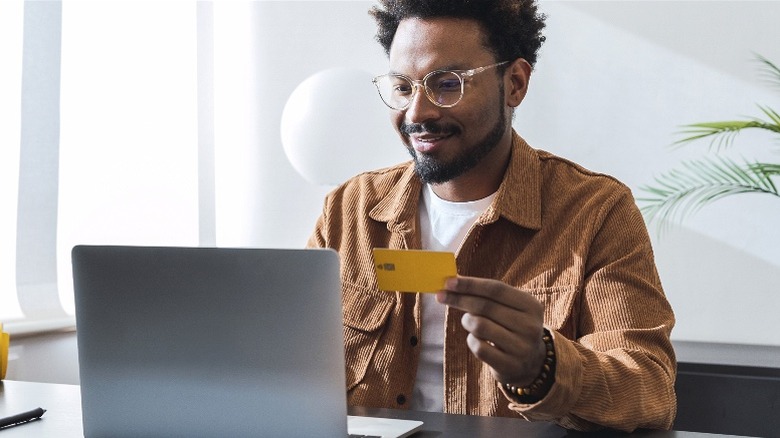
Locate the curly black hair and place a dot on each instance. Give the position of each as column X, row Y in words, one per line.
column 514, row 27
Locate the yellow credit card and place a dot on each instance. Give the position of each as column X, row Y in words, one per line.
column 411, row 270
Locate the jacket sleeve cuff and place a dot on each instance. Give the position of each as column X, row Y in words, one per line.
column 565, row 391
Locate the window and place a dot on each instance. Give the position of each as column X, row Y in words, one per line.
column 11, row 18
column 105, row 147
column 128, row 140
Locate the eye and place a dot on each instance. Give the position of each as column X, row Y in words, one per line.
column 400, row 86
column 445, row 82
column 449, row 85
column 402, row 89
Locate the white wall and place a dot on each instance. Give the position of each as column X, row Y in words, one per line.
column 614, row 82
column 290, row 41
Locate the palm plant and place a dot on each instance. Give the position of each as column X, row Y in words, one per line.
column 697, row 183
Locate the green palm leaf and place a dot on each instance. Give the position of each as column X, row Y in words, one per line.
column 770, row 71
column 722, row 133
column 684, row 191
column 769, row 169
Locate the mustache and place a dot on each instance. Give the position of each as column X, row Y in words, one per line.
column 430, row 128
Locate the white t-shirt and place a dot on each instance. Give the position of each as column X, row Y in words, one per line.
column 443, row 226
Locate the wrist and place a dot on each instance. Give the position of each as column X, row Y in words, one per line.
column 541, row 385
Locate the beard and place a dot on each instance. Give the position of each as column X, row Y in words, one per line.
column 432, row 170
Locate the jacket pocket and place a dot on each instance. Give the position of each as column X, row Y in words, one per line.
column 365, row 313
column 558, row 302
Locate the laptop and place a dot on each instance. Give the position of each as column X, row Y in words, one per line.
column 205, row 342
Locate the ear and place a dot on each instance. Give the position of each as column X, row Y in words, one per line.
column 516, row 78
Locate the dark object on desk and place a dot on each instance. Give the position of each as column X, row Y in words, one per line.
column 727, row 399
column 24, row 417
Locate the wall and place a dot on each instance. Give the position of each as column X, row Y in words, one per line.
column 614, row 82
column 625, row 76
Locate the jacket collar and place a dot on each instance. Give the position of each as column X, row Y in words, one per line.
column 399, row 208
column 518, row 198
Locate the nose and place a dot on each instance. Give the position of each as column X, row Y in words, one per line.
column 421, row 109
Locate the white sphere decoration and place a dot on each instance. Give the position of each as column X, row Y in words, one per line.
column 334, row 126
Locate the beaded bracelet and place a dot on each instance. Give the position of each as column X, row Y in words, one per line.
column 542, row 383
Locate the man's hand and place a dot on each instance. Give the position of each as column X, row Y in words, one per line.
column 505, row 326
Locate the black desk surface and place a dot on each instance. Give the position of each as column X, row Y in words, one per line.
column 468, row 426
column 63, row 418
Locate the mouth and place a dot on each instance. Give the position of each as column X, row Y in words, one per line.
column 427, row 143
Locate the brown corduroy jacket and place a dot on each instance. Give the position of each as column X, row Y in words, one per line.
column 572, row 238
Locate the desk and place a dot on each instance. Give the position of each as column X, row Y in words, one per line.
column 468, row 426
column 62, row 404
column 63, row 417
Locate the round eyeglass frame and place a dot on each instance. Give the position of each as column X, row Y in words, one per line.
column 462, row 75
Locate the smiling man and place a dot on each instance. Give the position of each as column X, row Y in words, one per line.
column 557, row 313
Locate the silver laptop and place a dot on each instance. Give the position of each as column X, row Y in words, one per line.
column 205, row 342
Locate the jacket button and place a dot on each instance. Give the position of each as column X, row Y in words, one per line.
column 401, row 399
column 413, row 341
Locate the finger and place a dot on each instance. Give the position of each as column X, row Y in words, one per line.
column 516, row 320
column 494, row 321
column 489, row 289
column 503, row 367
column 509, row 361
column 512, row 341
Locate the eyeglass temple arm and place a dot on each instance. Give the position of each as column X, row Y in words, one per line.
column 473, row 71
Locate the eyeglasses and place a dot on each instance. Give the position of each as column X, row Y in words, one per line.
column 444, row 88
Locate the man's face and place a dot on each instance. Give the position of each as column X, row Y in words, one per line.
column 448, row 142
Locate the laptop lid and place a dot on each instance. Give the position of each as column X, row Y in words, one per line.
column 205, row 342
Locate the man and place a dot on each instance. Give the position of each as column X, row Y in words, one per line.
column 557, row 313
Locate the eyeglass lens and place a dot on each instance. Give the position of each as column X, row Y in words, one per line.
column 443, row 88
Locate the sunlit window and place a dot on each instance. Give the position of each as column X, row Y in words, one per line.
column 128, row 143
column 11, row 19
column 121, row 149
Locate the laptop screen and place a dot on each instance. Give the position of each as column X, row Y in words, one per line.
column 205, row 342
